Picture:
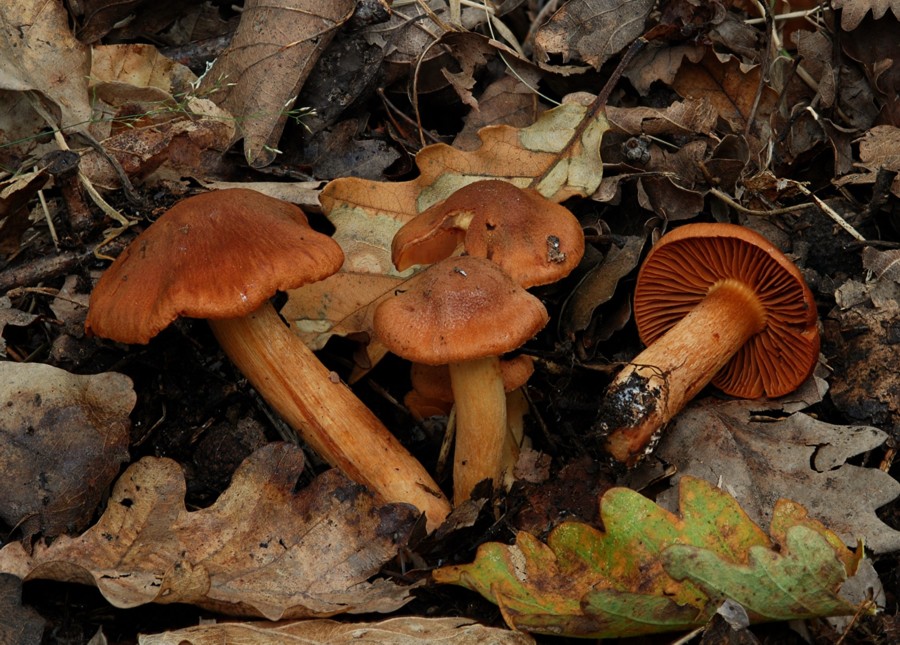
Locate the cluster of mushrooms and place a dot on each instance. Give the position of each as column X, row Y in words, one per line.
column 735, row 313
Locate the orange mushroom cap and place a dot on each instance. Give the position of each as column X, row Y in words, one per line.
column 536, row 241
column 678, row 274
column 457, row 310
column 219, row 254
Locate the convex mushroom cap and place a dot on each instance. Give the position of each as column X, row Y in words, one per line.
column 219, row 254
column 460, row 309
column 534, row 240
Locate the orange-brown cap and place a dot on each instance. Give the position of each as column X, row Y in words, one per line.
column 457, row 310
column 679, row 272
column 536, row 241
column 215, row 255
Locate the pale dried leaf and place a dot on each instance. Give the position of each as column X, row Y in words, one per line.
column 261, row 550
column 63, row 438
column 884, row 264
column 341, row 304
column 798, row 458
column 403, row 630
column 678, row 119
column 853, row 11
column 136, row 72
column 258, row 76
column 38, row 52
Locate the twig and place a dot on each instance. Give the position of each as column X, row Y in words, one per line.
column 828, row 210
column 725, row 197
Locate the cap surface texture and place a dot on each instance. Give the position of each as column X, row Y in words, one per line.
column 219, row 254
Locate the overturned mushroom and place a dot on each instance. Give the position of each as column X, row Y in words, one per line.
column 220, row 256
column 714, row 303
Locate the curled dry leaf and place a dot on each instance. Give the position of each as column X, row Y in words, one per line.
column 403, row 630
column 260, row 550
column 760, row 461
column 62, row 439
column 258, row 76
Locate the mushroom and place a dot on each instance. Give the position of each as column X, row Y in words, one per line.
column 714, row 303
column 536, row 241
column 432, row 395
column 220, row 256
column 464, row 312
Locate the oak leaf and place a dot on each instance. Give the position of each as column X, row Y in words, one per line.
column 651, row 571
column 260, row 550
column 760, row 460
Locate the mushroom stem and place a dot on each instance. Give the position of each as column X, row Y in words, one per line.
column 659, row 382
column 480, row 424
column 325, row 412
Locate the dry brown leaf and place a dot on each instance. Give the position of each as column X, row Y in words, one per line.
column 342, row 305
column 760, row 460
column 403, row 630
column 99, row 17
column 677, row 119
column 879, row 149
column 599, row 284
column 560, row 150
column 861, row 345
column 189, row 144
column 591, row 30
column 15, row 195
column 261, row 550
column 732, row 90
column 63, row 438
column 14, row 317
column 38, row 52
column 885, row 265
column 853, row 11
column 258, row 76
column 505, row 101
column 660, row 64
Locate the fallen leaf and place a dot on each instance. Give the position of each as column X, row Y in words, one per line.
column 591, row 30
column 138, row 73
column 403, row 630
column 342, row 304
column 760, row 461
column 15, row 195
column 879, row 150
column 599, row 284
column 38, row 52
column 14, row 317
column 560, row 152
column 257, row 78
column 733, row 90
column 507, row 101
column 261, row 550
column 650, row 571
column 62, row 439
column 853, row 11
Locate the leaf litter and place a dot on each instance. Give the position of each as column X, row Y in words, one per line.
column 725, row 118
